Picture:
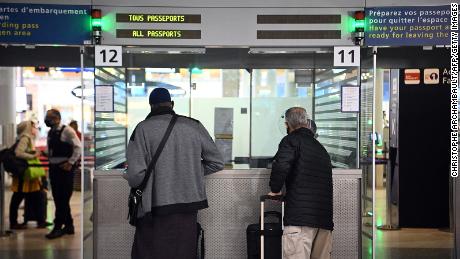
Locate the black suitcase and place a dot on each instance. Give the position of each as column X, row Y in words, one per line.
column 35, row 206
column 272, row 233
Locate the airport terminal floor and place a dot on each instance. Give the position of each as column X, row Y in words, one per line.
column 31, row 242
column 411, row 243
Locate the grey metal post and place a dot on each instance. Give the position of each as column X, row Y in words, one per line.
column 82, row 166
column 250, row 114
column 373, row 153
column 391, row 222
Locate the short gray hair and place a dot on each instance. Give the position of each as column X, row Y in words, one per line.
column 296, row 117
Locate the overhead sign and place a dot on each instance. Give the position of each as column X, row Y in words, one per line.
column 158, row 18
column 159, row 34
column 225, row 27
column 144, row 32
column 347, row 56
column 407, row 26
column 108, row 56
column 45, row 24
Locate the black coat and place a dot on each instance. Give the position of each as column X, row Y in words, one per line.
column 304, row 165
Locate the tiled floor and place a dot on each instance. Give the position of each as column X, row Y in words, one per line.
column 32, row 244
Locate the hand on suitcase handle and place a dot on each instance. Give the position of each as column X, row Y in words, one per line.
column 270, row 197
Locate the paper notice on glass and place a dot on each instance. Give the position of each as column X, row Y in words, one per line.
column 350, row 98
column 104, row 98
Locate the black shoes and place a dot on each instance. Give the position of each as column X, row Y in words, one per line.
column 69, row 230
column 59, row 232
column 55, row 233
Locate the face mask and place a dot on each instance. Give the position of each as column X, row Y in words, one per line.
column 49, row 122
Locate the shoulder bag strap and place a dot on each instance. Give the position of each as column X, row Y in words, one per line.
column 151, row 166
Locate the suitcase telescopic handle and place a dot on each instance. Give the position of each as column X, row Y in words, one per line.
column 263, row 198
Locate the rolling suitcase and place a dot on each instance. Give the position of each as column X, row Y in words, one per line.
column 35, row 206
column 264, row 239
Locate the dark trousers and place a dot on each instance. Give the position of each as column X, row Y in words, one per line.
column 62, row 188
column 16, row 200
column 171, row 236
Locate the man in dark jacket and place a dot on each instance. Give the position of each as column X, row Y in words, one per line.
column 167, row 219
column 304, row 166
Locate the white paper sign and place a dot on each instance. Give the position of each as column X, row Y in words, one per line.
column 350, row 98
column 104, row 98
column 108, row 56
column 347, row 56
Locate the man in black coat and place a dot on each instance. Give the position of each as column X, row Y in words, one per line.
column 304, row 166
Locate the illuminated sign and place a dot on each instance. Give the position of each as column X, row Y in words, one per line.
column 45, row 24
column 158, row 18
column 155, row 33
column 158, row 34
column 408, row 26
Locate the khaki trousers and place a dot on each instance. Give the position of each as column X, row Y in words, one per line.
column 306, row 243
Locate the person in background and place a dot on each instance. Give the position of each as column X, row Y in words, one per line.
column 63, row 150
column 167, row 225
column 74, row 125
column 312, row 126
column 23, row 187
column 304, row 166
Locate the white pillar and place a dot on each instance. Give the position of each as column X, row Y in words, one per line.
column 7, row 104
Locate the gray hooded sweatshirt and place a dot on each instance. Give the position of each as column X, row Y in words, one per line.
column 189, row 155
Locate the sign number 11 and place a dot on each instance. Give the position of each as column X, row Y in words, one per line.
column 346, row 56
column 108, row 56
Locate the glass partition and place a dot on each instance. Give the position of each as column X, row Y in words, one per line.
column 273, row 92
column 111, row 127
column 220, row 100
column 337, row 130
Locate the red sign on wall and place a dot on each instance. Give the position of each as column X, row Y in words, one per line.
column 412, row 76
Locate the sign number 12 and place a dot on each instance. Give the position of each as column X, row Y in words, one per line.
column 114, row 52
column 108, row 56
column 346, row 56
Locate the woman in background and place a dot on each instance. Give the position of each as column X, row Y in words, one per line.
column 22, row 186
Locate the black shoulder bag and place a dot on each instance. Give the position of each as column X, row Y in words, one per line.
column 135, row 196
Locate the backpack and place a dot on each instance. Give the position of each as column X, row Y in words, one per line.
column 12, row 164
